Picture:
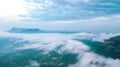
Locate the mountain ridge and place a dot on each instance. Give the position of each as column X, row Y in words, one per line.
column 33, row 30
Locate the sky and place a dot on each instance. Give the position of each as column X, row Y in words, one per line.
column 61, row 15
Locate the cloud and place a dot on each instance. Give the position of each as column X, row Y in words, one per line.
column 49, row 42
column 33, row 64
column 78, row 1
column 98, row 24
column 41, row 4
column 102, row 36
column 54, row 10
column 94, row 60
column 50, row 10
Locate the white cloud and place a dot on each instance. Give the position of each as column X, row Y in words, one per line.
column 78, row 1
column 43, row 4
column 100, row 37
column 33, row 64
column 49, row 42
column 97, row 24
column 94, row 60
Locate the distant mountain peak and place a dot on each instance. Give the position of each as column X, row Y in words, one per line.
column 25, row 30
column 34, row 30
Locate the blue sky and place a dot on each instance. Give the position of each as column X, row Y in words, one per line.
column 63, row 15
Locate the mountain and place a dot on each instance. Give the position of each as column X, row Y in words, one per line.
column 112, row 46
column 108, row 48
column 34, row 30
column 25, row 30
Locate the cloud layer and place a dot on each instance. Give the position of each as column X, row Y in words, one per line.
column 61, row 43
column 71, row 9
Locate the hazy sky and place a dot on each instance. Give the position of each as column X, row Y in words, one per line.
column 64, row 15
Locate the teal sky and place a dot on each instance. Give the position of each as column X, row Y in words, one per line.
column 61, row 15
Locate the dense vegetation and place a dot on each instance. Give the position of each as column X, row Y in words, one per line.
column 108, row 48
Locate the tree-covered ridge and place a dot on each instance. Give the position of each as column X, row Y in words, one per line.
column 108, row 48
column 112, row 46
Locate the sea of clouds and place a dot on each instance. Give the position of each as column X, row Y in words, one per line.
column 49, row 42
